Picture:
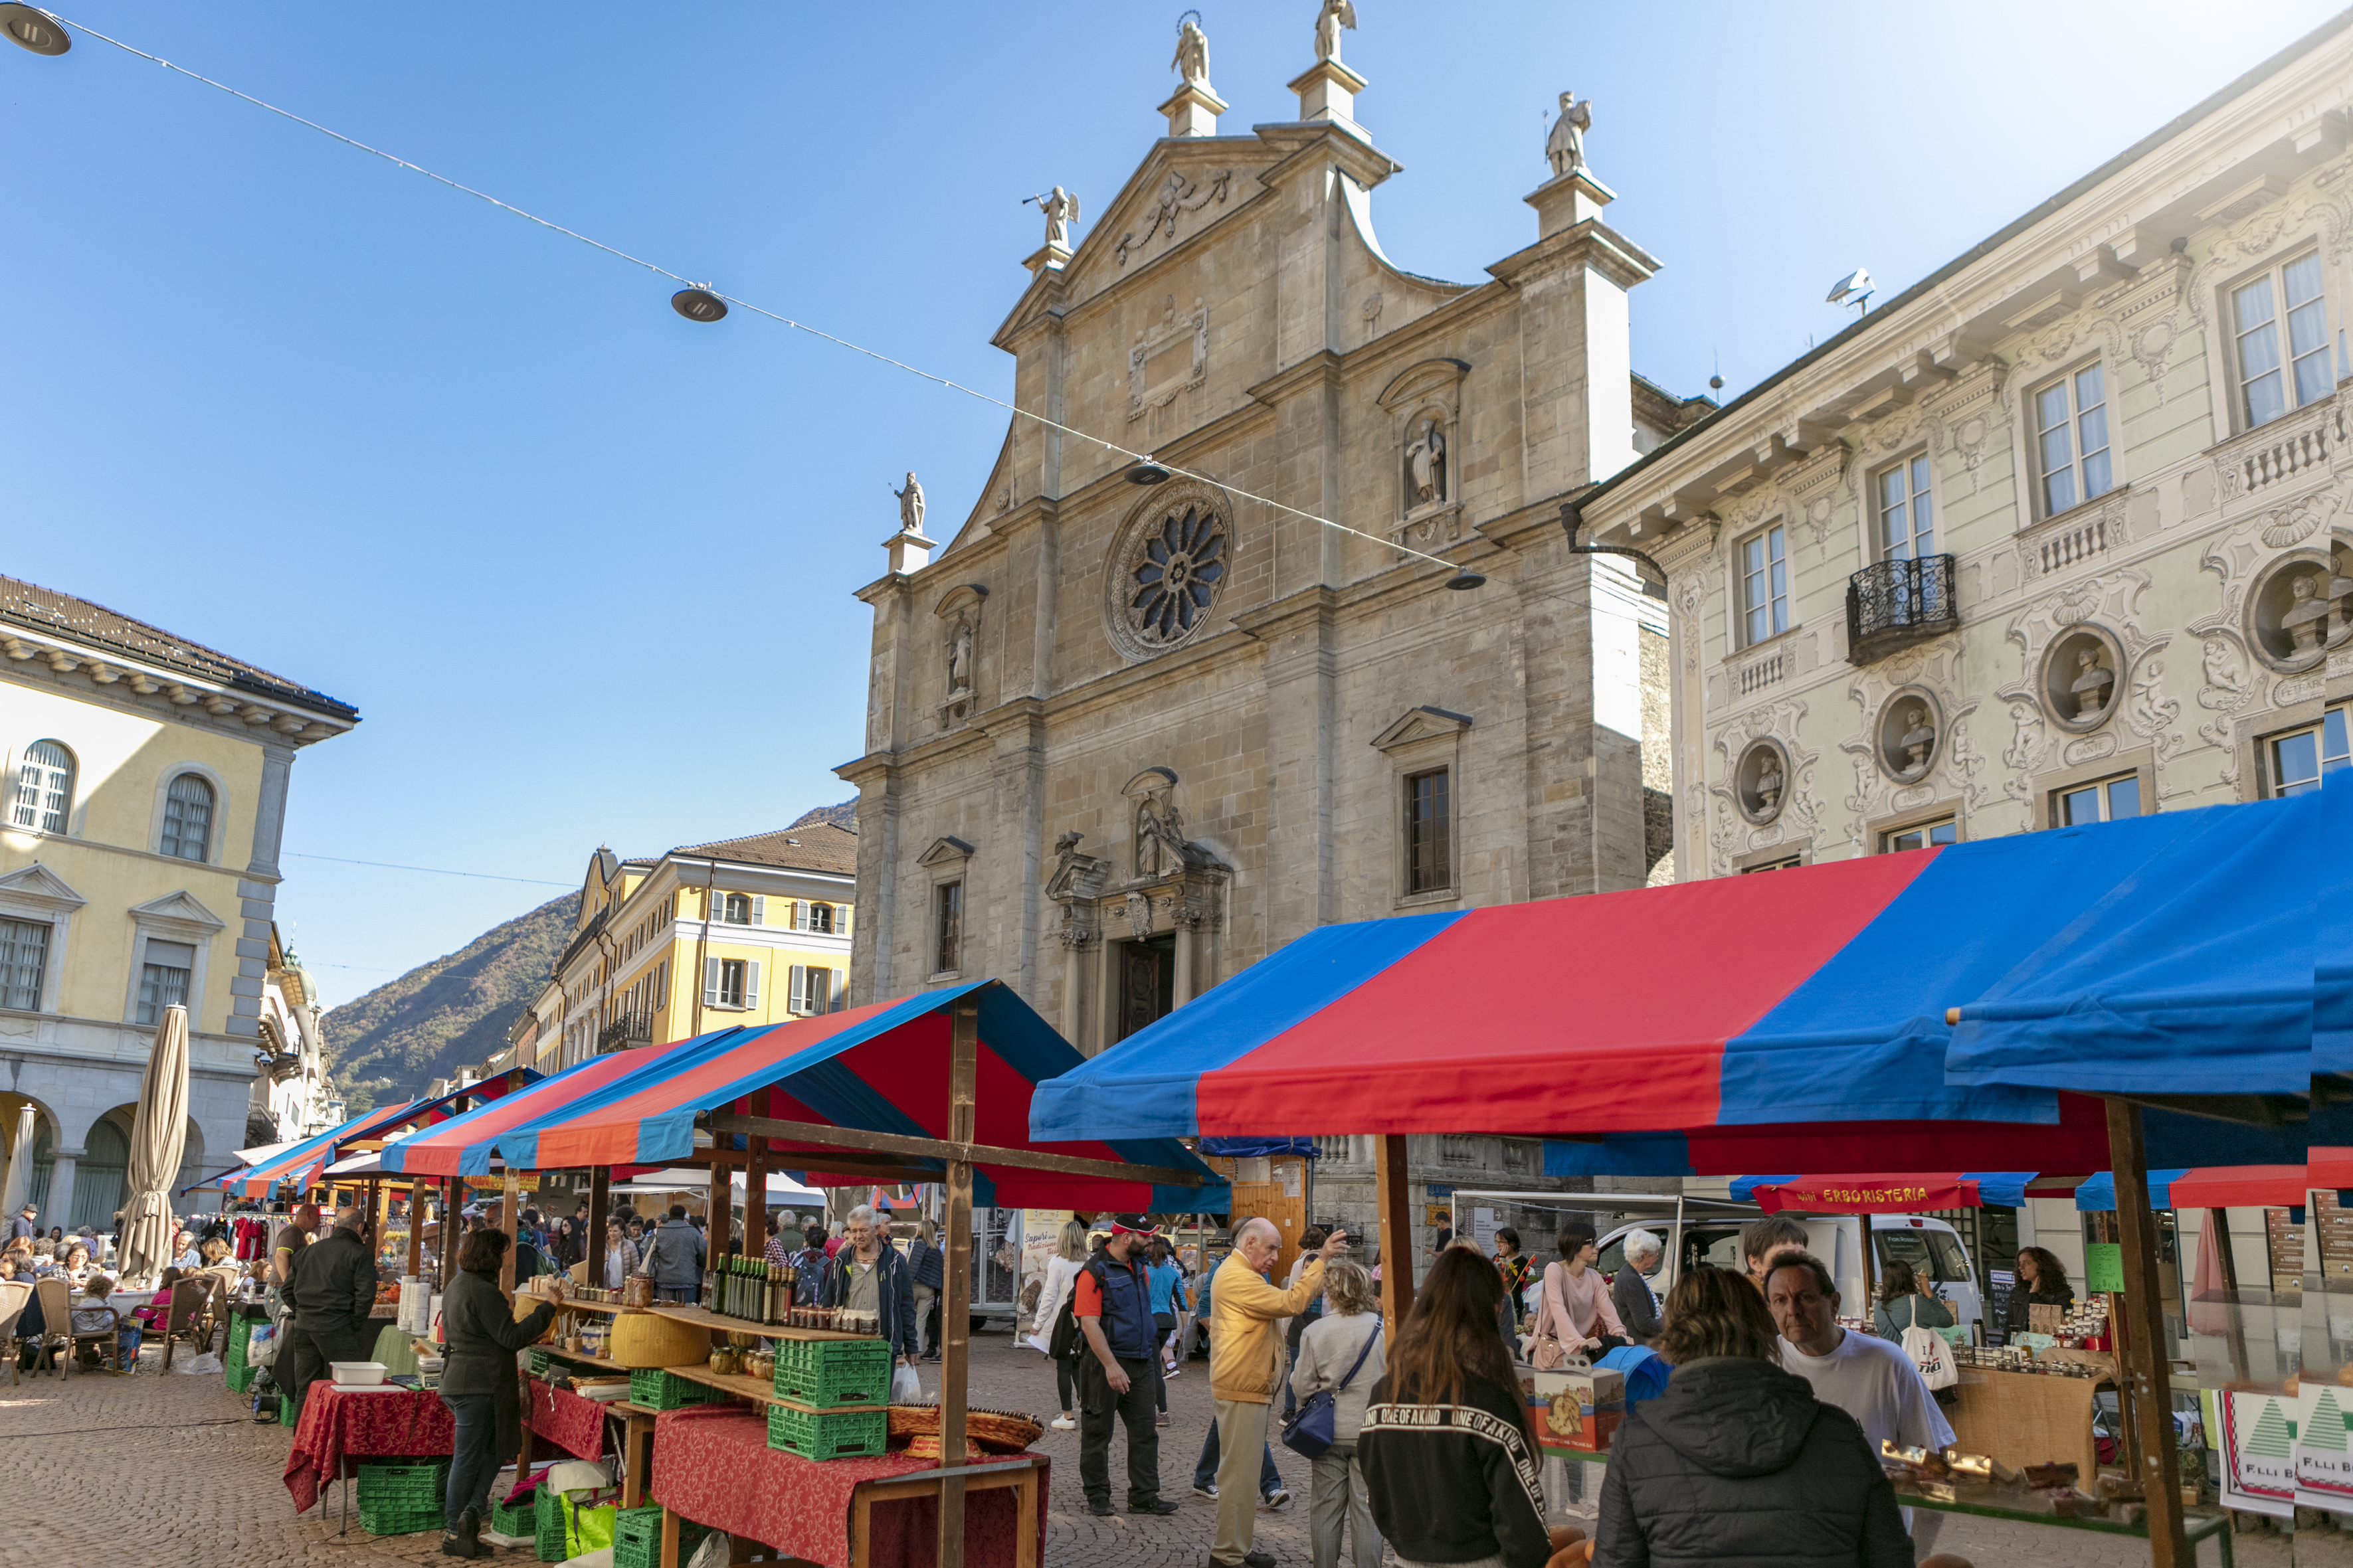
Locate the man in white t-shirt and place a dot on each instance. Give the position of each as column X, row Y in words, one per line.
column 1869, row 1378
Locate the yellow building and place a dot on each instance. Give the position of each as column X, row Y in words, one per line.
column 744, row 931
column 140, row 807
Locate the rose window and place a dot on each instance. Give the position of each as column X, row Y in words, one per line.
column 1175, row 569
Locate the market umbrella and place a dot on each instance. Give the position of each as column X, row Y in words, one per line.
column 20, row 1164
column 157, row 1134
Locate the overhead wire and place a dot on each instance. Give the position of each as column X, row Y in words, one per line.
column 680, row 278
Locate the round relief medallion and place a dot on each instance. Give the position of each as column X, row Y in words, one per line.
column 2302, row 606
column 1911, row 726
column 2082, row 676
column 1166, row 571
column 1761, row 782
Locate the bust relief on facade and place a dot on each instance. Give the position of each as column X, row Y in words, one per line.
column 2081, row 677
column 1167, row 570
column 1909, row 728
column 2290, row 623
column 1761, row 782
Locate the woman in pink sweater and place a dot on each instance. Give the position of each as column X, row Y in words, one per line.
column 1574, row 1308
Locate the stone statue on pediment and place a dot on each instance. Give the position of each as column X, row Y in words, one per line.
column 1336, row 16
column 2091, row 686
column 911, row 506
column 960, row 657
column 1061, row 210
column 1565, row 148
column 1192, row 61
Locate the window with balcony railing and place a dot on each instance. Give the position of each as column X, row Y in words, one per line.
column 1894, row 604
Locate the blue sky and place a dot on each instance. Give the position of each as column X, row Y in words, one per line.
column 584, row 567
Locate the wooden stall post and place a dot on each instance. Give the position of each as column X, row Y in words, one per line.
column 2141, row 1355
column 1395, row 1196
column 955, row 1308
column 511, row 1216
column 2217, row 1234
column 415, row 1226
column 1869, row 1265
column 450, row 1224
column 715, row 1210
column 2129, row 1414
column 755, row 1190
column 600, row 1198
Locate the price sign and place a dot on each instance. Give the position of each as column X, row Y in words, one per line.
column 2104, row 1266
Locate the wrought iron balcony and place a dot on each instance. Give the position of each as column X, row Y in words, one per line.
column 622, row 1033
column 1894, row 604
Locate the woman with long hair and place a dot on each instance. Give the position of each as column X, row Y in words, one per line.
column 1448, row 1458
column 477, row 1381
column 1573, row 1313
column 1906, row 1302
column 1054, row 1330
column 1738, row 1462
column 2042, row 1282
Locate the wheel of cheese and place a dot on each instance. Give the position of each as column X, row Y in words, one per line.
column 649, row 1339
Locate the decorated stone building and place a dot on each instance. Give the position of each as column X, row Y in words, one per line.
column 2056, row 535
column 1126, row 738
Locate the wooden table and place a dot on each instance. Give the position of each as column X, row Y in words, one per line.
column 2026, row 1418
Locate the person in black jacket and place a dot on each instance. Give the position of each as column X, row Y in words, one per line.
column 1737, row 1465
column 1449, row 1458
column 334, row 1291
column 479, row 1384
column 2041, row 1281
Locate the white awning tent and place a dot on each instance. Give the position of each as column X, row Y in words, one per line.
column 782, row 1189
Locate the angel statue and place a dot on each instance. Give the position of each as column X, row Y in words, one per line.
column 1566, row 145
column 1336, row 15
column 911, row 506
column 1061, row 210
column 1192, row 61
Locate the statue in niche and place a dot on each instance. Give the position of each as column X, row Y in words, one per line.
column 1566, row 146
column 2306, row 615
column 1336, row 15
column 960, row 657
column 2340, row 603
column 1919, row 738
column 1061, row 210
column 1159, row 834
column 2093, row 684
column 1192, row 61
column 911, row 506
column 1425, row 462
column 1768, row 783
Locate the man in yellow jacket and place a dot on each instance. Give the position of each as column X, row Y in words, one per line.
column 1246, row 1368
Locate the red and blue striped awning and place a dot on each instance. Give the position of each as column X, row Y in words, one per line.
column 297, row 1164
column 878, row 1069
column 2204, row 1187
column 1815, row 996
column 301, row 1165
column 1884, row 1192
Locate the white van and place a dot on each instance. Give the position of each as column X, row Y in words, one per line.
column 1933, row 1248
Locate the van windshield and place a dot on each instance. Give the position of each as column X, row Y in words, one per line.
column 1932, row 1255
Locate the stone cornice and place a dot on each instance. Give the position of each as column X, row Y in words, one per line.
column 1323, row 365
column 68, row 668
column 1299, row 140
column 1593, row 242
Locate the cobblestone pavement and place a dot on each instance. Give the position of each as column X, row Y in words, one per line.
column 179, row 1461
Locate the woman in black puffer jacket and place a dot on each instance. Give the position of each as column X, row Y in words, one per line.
column 1737, row 1465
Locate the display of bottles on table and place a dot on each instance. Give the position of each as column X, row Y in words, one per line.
column 751, row 1288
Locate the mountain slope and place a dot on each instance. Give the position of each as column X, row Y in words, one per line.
column 451, row 1013
column 844, row 815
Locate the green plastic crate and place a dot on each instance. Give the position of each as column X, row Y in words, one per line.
column 829, row 1434
column 658, row 1390
column 408, row 1483
column 240, row 1378
column 285, row 1410
column 397, row 1519
column 537, row 1360
column 637, row 1537
column 825, row 1374
column 547, row 1524
column 517, row 1518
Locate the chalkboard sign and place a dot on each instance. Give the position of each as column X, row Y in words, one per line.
column 1999, row 1282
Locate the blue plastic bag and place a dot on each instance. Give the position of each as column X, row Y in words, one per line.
column 1645, row 1373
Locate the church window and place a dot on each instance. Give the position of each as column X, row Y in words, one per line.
column 947, row 928
column 1167, row 574
column 1428, row 856
column 43, row 788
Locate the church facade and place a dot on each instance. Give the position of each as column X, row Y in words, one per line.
column 1324, row 655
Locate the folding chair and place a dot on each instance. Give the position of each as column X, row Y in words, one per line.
column 14, row 1295
column 55, row 1297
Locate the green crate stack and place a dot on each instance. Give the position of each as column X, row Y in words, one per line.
column 547, row 1526
column 825, row 1374
column 828, row 1434
column 658, row 1390
column 537, row 1360
column 517, row 1518
column 240, row 1378
column 637, row 1537
column 400, row 1519
column 403, row 1497
column 285, row 1411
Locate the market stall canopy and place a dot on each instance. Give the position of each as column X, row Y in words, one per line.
column 2332, row 969
column 1823, row 998
column 1255, row 1148
column 880, row 1068
column 296, row 1162
column 1883, row 1194
column 433, row 1109
column 2189, row 970
column 2329, row 1167
column 2204, row 1187
column 782, row 1188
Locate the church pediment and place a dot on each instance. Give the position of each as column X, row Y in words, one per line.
column 1421, row 724
column 177, row 909
column 1182, row 188
column 37, row 884
column 945, row 851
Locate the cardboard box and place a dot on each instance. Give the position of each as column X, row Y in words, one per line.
column 1599, row 1429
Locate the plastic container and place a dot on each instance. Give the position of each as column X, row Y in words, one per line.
column 825, row 1374
column 357, row 1373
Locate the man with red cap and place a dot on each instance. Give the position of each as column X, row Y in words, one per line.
column 1118, row 1371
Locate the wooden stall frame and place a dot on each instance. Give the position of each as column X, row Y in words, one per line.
column 2140, row 1355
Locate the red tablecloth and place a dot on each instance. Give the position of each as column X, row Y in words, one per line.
column 573, row 1424
column 336, row 1426
column 712, row 1463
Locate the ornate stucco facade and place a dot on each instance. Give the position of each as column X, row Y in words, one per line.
column 139, row 820
column 2059, row 534
column 1124, row 740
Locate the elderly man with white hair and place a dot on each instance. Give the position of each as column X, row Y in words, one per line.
column 1631, row 1292
column 867, row 1274
column 1247, row 1365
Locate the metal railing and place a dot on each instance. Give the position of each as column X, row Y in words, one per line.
column 1892, row 604
column 622, row 1033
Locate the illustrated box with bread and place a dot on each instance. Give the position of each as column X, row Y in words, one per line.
column 1575, row 1407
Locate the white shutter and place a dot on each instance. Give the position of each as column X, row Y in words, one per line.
column 711, row 982
column 800, row 914
column 841, row 919
column 714, row 906
column 797, row 999
column 752, row 983
column 840, row 996
column 759, row 909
